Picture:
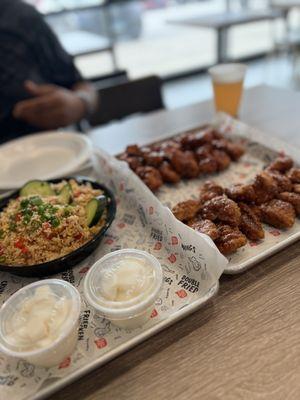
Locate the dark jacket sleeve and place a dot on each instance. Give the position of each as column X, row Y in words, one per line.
column 56, row 65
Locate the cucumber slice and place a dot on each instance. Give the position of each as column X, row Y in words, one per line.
column 37, row 187
column 65, row 195
column 94, row 210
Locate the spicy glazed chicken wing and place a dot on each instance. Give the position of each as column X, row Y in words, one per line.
column 186, row 210
column 250, row 224
column 278, row 213
column 284, row 184
column 294, row 175
column 241, row 192
column 222, row 159
column 204, row 226
column 168, row 174
column 194, row 139
column 185, row 164
column 209, row 190
column 292, row 198
column 150, row 176
column 153, row 158
column 222, row 209
column 296, row 188
column 133, row 161
column 234, row 150
column 265, row 187
column 281, row 164
column 230, row 239
column 133, row 150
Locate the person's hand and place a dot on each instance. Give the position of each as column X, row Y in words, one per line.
column 50, row 107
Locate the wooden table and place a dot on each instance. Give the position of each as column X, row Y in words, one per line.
column 245, row 343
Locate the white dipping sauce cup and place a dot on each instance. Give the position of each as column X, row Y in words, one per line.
column 131, row 313
column 63, row 345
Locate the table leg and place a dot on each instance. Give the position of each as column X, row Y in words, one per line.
column 222, row 36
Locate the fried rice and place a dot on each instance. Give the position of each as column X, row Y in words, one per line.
column 37, row 229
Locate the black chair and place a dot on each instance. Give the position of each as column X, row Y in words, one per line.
column 137, row 96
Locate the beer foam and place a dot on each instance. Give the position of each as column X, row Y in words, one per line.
column 228, row 73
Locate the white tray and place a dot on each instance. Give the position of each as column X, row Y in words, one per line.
column 260, row 151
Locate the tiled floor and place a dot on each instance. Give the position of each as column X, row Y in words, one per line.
column 277, row 71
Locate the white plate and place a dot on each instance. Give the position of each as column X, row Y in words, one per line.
column 42, row 156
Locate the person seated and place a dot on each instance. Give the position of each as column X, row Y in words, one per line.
column 40, row 87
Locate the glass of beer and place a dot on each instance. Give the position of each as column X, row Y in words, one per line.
column 228, row 80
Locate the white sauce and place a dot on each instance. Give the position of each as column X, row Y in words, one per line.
column 39, row 321
column 129, row 278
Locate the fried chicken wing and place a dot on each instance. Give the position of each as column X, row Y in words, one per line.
column 284, row 184
column 168, row 174
column 192, row 140
column 185, row 164
column 296, row 188
column 150, row 176
column 250, row 224
column 230, row 239
column 265, row 187
column 133, row 150
column 204, row 226
column 153, row 158
column 222, row 159
column 256, row 210
column 292, row 198
column 208, row 165
column 209, row 190
column 133, row 161
column 222, row 209
column 186, row 210
column 241, row 192
column 281, row 164
column 294, row 175
column 203, row 152
column 234, row 150
column 278, row 213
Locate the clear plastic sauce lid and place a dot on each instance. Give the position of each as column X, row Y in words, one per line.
column 124, row 283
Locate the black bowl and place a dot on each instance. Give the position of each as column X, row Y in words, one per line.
column 69, row 260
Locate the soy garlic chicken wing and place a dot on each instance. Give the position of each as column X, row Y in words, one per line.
column 168, row 174
column 281, row 164
column 278, row 213
column 194, row 139
column 204, row 226
column 209, row 190
column 296, row 188
column 265, row 187
column 186, row 210
column 292, row 198
column 250, row 224
column 230, row 239
column 294, row 175
column 284, row 184
column 222, row 159
column 234, row 150
column 241, row 192
column 185, row 164
column 222, row 209
column 150, row 176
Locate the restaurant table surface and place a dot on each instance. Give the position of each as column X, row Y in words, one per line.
column 245, row 343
